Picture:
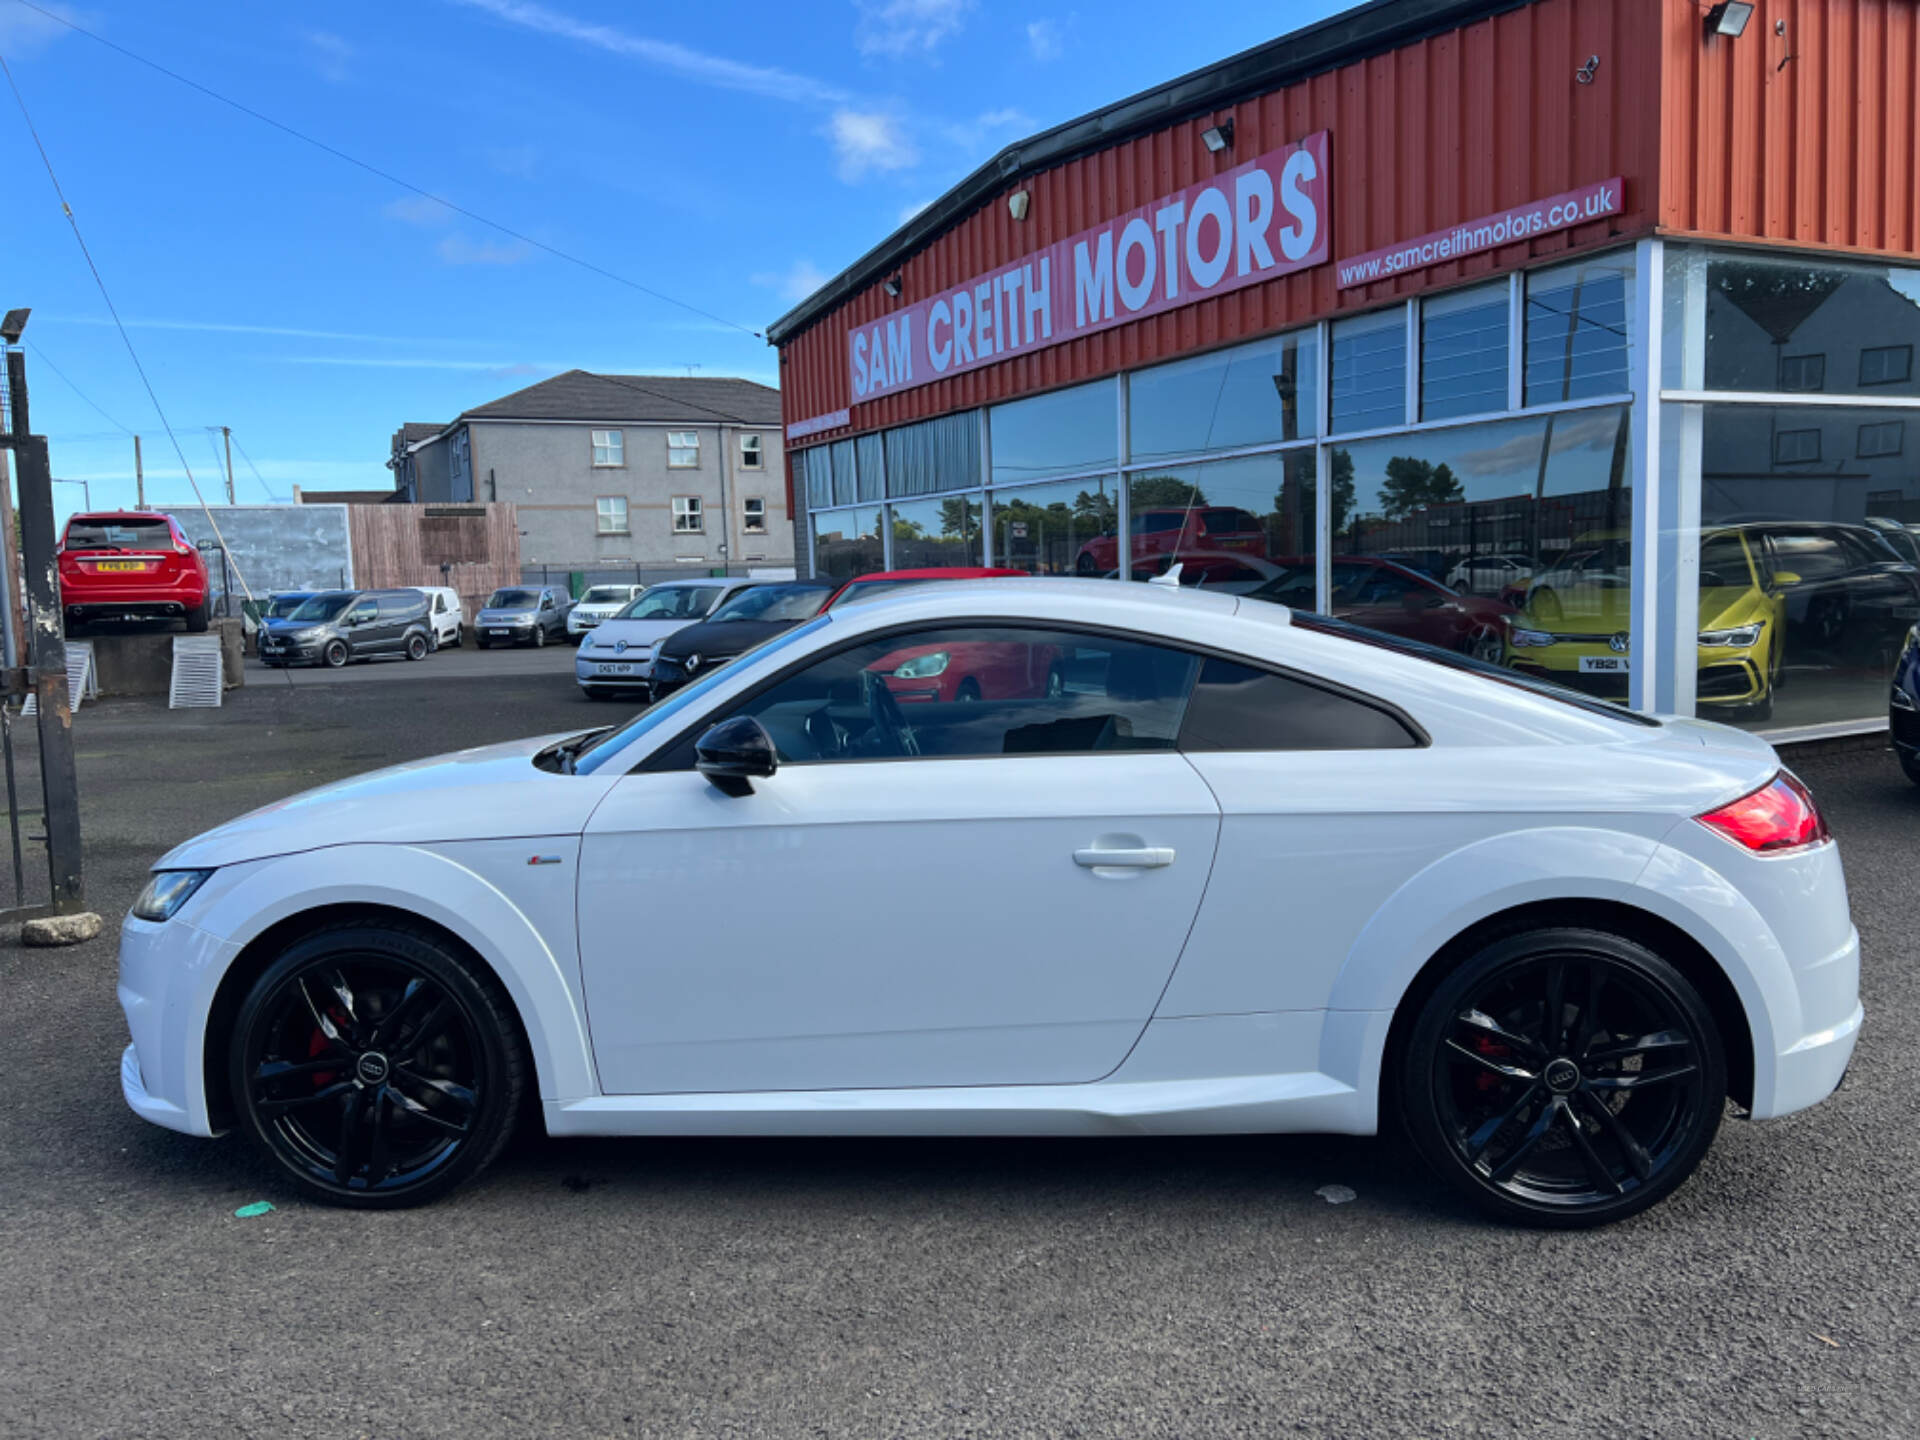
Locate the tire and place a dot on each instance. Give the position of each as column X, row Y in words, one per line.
column 1085, row 565
column 593, row 692
column 197, row 618
column 1910, row 762
column 968, row 692
column 410, row 1114
column 1486, row 647
column 1491, row 1102
column 482, row 642
column 335, row 655
column 539, row 636
column 417, row 648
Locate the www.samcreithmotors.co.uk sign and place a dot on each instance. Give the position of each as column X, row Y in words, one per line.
column 1267, row 217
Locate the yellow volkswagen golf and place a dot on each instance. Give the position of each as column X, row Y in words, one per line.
column 1573, row 627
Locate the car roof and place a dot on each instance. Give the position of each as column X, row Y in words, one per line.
column 119, row 515
column 940, row 572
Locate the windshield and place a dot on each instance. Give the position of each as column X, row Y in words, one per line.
column 862, row 591
column 322, row 608
column 772, row 602
column 513, row 600
column 282, row 606
column 672, row 602
column 608, row 747
column 118, row 534
column 605, row 595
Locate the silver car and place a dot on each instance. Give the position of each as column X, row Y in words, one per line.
column 616, row 656
column 522, row 615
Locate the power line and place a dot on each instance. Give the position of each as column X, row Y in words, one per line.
column 253, row 467
column 391, row 178
column 101, row 285
column 73, row 387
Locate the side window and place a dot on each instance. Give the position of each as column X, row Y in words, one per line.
column 362, row 612
column 950, row 693
column 1236, row 707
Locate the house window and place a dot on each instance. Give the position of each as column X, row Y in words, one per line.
column 608, row 448
column 1803, row 372
column 755, row 511
column 683, row 450
column 1886, row 365
column 611, row 514
column 686, row 515
column 749, row 452
column 1796, row 447
column 1881, row 438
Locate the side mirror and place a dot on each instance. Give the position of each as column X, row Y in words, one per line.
column 734, row 754
column 1785, row 577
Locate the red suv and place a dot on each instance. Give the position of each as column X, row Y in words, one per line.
column 131, row 565
column 1172, row 529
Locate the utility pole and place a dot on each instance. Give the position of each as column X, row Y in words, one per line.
column 227, row 435
column 139, row 478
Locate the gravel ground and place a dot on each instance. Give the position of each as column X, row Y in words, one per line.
column 905, row 1288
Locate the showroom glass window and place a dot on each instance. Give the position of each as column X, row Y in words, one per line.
column 1241, row 526
column 969, row 691
column 1791, row 326
column 938, row 531
column 1576, row 330
column 1062, row 527
column 1463, row 352
column 1260, row 394
column 1508, row 541
column 1061, row 433
column 1368, row 371
column 847, row 542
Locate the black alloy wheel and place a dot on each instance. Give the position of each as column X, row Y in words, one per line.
column 1564, row 1078
column 416, row 647
column 335, row 655
column 375, row 1067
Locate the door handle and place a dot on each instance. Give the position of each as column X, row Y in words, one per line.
column 1146, row 857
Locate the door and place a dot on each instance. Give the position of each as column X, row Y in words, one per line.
column 934, row 893
column 362, row 624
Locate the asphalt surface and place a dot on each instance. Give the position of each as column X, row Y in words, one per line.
column 465, row 661
column 906, row 1288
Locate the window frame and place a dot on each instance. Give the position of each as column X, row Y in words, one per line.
column 1817, row 361
column 603, row 515
column 615, row 446
column 1906, row 371
column 1899, row 428
column 676, row 449
column 1813, row 459
column 689, row 507
column 752, row 452
column 661, row 760
column 752, row 522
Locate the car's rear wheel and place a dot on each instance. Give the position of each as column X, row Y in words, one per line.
column 335, row 654
column 1564, row 1078
column 416, row 647
column 197, row 618
column 375, row 1067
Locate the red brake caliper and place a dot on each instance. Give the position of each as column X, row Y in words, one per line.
column 1493, row 1050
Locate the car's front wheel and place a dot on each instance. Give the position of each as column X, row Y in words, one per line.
column 335, row 655
column 376, row 1067
column 1563, row 1078
column 539, row 636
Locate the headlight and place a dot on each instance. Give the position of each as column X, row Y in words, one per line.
column 1739, row 637
column 922, row 667
column 166, row 892
column 1522, row 639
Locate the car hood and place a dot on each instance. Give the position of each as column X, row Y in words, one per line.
column 636, row 633
column 491, row 793
column 727, row 637
column 505, row 617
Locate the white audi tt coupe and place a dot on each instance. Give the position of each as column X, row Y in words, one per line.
column 1023, row 857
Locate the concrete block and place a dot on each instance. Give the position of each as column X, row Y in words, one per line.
column 140, row 662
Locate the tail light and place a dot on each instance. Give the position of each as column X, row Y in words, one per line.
column 1779, row 816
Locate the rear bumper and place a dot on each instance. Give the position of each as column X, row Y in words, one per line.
column 1811, row 1068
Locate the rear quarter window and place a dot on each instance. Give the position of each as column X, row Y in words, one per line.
column 1238, row 707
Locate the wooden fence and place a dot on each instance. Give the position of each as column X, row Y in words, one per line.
column 473, row 548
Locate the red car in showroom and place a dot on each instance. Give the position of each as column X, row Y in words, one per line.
column 1171, row 529
column 131, row 565
column 1387, row 596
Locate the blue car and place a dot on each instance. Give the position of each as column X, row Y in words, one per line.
column 1904, row 706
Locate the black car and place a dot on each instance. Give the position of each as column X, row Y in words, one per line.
column 336, row 626
column 752, row 617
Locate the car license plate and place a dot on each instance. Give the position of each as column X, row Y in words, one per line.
column 615, row 670
column 1605, row 665
column 501, row 634
column 119, row 564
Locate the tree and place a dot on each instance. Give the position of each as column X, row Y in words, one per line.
column 1154, row 492
column 1096, row 511
column 1341, row 500
column 1413, row 484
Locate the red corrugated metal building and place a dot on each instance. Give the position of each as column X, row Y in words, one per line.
column 1596, row 313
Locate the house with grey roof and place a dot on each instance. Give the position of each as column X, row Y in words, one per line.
column 616, row 470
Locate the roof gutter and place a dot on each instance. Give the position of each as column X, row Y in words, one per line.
column 1369, row 29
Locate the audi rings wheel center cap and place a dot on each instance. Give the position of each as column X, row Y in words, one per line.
column 371, row 1068
column 1562, row 1076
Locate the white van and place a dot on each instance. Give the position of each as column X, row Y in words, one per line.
column 443, row 605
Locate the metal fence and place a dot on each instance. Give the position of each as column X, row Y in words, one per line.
column 577, row 581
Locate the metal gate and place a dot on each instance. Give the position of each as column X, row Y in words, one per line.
column 34, row 664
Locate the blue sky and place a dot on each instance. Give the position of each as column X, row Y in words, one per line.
column 731, row 155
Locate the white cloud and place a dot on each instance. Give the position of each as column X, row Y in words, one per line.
column 23, row 32
column 695, row 65
column 798, row 281
column 984, row 129
column 457, row 249
column 898, row 28
column 1046, row 39
column 418, row 210
column 869, row 141
column 328, row 54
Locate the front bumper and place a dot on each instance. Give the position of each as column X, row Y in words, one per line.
column 168, row 975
